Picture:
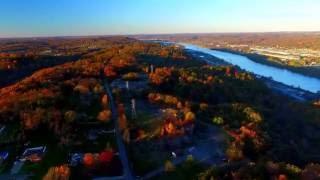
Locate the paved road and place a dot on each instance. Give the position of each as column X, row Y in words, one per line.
column 128, row 175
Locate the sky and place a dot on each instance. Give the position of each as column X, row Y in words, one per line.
column 30, row 18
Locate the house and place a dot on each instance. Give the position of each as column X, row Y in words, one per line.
column 34, row 154
column 75, row 159
column 3, row 156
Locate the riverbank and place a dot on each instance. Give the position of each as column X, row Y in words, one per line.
column 207, row 58
column 307, row 71
column 279, row 88
column 295, row 93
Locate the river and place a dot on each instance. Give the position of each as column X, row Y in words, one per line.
column 277, row 74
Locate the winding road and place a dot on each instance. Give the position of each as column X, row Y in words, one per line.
column 128, row 175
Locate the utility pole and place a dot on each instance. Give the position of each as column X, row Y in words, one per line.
column 133, row 108
column 127, row 85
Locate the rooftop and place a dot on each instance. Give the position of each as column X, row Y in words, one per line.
column 36, row 150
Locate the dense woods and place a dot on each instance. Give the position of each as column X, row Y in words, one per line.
column 278, row 137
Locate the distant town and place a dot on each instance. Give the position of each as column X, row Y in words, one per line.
column 289, row 56
column 292, row 49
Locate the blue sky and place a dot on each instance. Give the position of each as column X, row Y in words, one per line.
column 101, row 17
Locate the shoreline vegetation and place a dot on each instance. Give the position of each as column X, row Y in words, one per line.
column 287, row 90
column 313, row 71
column 281, row 88
column 307, row 71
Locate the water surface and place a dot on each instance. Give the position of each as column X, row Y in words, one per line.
column 281, row 75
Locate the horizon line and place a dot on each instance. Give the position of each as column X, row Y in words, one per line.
column 153, row 34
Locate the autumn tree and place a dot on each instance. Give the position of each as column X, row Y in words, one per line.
column 130, row 76
column 123, row 124
column 189, row 116
column 252, row 115
column 106, row 156
column 98, row 89
column 89, row 160
column 104, row 116
column 105, row 101
column 169, row 166
column 82, row 89
column 126, row 135
column 121, row 109
column 70, row 116
column 110, row 72
column 160, row 75
column 228, row 71
column 32, row 119
column 203, row 106
column 234, row 152
column 218, row 120
column 58, row 173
